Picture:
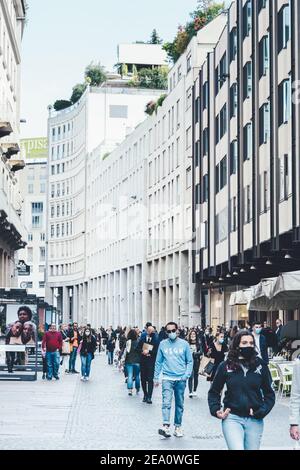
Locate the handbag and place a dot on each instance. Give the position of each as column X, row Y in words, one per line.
column 66, row 349
column 204, row 363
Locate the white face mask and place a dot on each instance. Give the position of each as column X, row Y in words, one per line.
column 87, row 333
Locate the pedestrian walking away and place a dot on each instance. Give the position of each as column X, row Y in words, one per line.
column 132, row 362
column 88, row 346
column 51, row 346
column 175, row 361
column 196, row 350
column 148, row 346
column 249, row 395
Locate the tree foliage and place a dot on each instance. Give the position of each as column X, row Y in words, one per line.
column 206, row 11
column 156, row 78
column 96, row 74
column 62, row 104
column 77, row 92
column 155, row 39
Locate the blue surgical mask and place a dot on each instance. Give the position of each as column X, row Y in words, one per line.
column 172, row 336
column 258, row 331
column 221, row 341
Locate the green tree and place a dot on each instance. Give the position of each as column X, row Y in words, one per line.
column 155, row 39
column 156, row 78
column 77, row 92
column 206, row 11
column 96, row 73
column 61, row 104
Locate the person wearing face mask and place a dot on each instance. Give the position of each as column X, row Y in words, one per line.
column 196, row 350
column 147, row 346
column 88, row 346
column 260, row 341
column 207, row 339
column 217, row 352
column 249, row 395
column 175, row 361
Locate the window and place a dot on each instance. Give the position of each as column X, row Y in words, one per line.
column 52, row 211
column 188, row 177
column 217, row 177
column 248, row 141
column 30, row 237
column 205, row 95
column 247, row 18
column 221, row 226
column 205, row 188
column 247, row 218
column 198, row 194
column 57, row 230
column 29, row 285
column 189, row 62
column 205, row 141
column 264, row 124
column 233, row 157
column 285, row 101
column 265, row 191
column 284, row 27
column 233, row 100
column 188, row 137
column 197, row 153
column 42, row 253
column 118, row 111
column 30, row 189
column 262, row 4
column 221, row 74
column 264, row 56
column 52, row 231
column 41, row 284
column 222, row 123
column 36, row 221
column 233, row 44
column 233, row 215
column 179, row 73
column 43, row 237
column 37, row 207
column 223, row 173
column 189, row 95
column 42, row 188
column 247, row 80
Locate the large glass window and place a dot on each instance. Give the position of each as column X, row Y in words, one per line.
column 284, row 27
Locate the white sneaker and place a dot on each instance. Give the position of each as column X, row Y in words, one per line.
column 87, row 379
column 195, row 394
column 191, row 395
column 165, row 431
column 82, row 378
column 178, row 432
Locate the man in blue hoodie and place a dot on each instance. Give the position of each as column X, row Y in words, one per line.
column 174, row 359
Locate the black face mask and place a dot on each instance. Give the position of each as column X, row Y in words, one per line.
column 247, row 352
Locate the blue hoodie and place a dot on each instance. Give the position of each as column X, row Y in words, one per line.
column 174, row 359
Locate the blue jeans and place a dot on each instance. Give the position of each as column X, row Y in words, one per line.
column 110, row 355
column 53, row 360
column 86, row 364
column 242, row 433
column 72, row 360
column 133, row 370
column 168, row 388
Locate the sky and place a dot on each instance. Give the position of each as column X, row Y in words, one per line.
column 63, row 36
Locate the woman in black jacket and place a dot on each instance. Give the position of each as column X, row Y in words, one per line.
column 217, row 352
column 132, row 362
column 249, row 396
column 196, row 350
column 88, row 346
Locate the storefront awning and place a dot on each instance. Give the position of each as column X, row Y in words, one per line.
column 281, row 293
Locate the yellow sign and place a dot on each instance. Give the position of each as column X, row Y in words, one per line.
column 34, row 148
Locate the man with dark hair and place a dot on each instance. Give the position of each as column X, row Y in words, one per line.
column 75, row 339
column 148, row 346
column 175, row 361
column 260, row 341
column 52, row 345
column 24, row 314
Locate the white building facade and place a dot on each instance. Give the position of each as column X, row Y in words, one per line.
column 12, row 17
column 33, row 187
column 102, row 118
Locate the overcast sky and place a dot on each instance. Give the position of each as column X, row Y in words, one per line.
column 63, row 36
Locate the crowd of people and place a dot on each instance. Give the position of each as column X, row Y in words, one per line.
column 234, row 360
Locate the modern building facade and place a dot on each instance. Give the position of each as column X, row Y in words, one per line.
column 12, row 18
column 102, row 118
column 245, row 161
column 135, row 234
column 33, row 187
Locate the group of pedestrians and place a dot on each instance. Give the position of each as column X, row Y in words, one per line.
column 172, row 357
column 72, row 341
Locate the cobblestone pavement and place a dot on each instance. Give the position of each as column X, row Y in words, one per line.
column 99, row 415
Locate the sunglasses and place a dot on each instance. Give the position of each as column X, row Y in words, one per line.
column 172, row 331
